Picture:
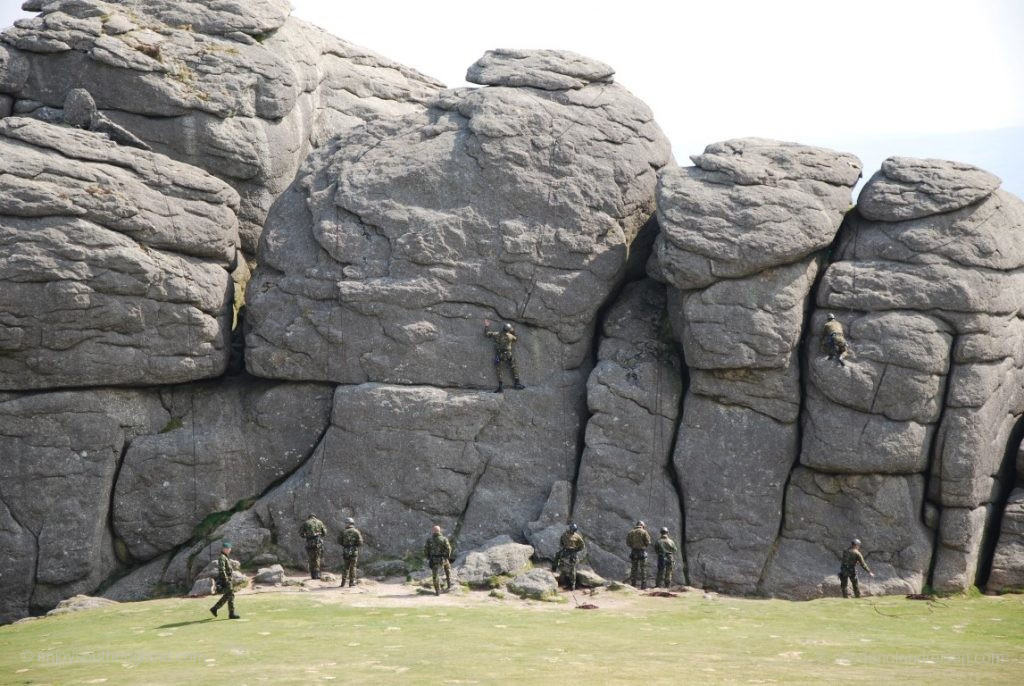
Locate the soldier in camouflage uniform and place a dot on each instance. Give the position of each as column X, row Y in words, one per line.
column 569, row 554
column 351, row 540
column 224, row 582
column 834, row 340
column 313, row 531
column 503, row 341
column 438, row 551
column 638, row 541
column 848, row 567
column 665, row 548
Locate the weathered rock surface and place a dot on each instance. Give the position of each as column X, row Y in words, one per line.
column 930, row 297
column 633, row 394
column 536, row 584
column 500, row 556
column 739, row 249
column 230, row 441
column 59, row 453
column 1007, row 573
column 140, row 584
column 908, row 188
column 383, row 258
column 545, row 532
column 824, row 512
column 113, row 262
column 400, row 459
column 238, row 89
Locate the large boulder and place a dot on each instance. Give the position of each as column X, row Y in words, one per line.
column 59, row 453
column 141, row 583
column 626, row 471
column 113, row 262
column 241, row 90
column 500, row 556
column 536, row 584
column 742, row 237
column 927, row 280
column 225, row 443
column 507, row 202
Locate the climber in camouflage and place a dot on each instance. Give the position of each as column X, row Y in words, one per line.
column 351, row 540
column 438, row 552
column 848, row 567
column 638, row 541
column 313, row 531
column 503, row 342
column 834, row 340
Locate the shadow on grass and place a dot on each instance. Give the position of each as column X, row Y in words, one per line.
column 175, row 625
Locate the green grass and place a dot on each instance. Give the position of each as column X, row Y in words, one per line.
column 317, row 637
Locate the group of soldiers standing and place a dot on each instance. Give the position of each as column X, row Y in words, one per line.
column 572, row 549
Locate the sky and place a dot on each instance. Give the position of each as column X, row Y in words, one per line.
column 933, row 78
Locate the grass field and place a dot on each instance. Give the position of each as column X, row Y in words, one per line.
column 396, row 637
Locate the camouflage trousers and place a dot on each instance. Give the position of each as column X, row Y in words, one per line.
column 849, row 574
column 436, row 565
column 313, row 557
column 228, row 597
column 348, row 571
column 664, row 577
column 565, row 565
column 638, row 568
column 508, row 358
column 837, row 347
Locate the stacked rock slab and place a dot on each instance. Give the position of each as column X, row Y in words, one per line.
column 911, row 436
column 238, row 89
column 113, row 262
column 742, row 233
column 225, row 442
column 1007, row 572
column 514, row 202
column 59, row 453
column 633, row 394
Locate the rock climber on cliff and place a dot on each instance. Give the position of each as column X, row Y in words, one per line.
column 834, row 340
column 504, row 339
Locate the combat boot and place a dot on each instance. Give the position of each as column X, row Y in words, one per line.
column 234, row 616
column 518, row 385
column 500, row 388
column 213, row 610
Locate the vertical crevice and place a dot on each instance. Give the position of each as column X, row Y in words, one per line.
column 670, row 467
column 935, row 464
column 802, row 354
column 1007, row 481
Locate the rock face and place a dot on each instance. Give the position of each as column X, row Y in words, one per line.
column 232, row 441
column 626, row 471
column 378, row 266
column 383, row 258
column 741, row 236
column 59, row 453
column 238, row 89
column 113, row 262
column 1007, row 574
column 929, row 295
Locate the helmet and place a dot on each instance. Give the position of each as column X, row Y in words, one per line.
column 640, row 522
column 664, row 529
column 508, row 327
column 855, row 541
column 831, row 316
column 573, row 527
column 349, row 520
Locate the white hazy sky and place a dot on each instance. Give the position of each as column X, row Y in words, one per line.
column 874, row 77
